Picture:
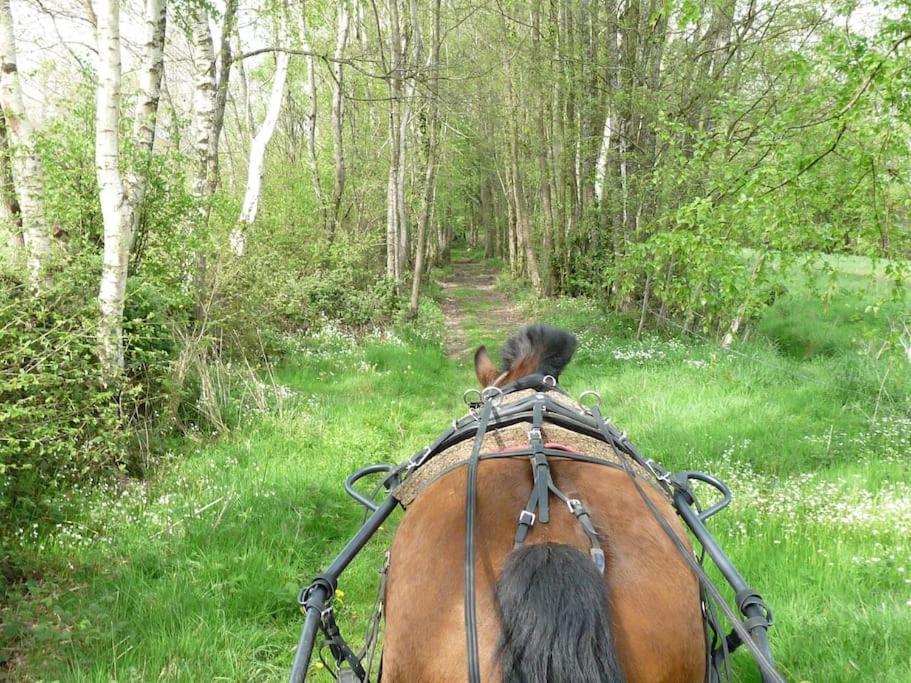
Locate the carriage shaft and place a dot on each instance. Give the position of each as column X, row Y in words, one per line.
column 317, row 596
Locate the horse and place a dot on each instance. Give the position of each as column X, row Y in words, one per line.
column 545, row 614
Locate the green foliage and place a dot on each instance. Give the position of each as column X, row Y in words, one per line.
column 59, row 424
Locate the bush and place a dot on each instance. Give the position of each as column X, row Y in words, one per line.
column 58, row 422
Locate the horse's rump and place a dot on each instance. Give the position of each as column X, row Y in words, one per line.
column 653, row 597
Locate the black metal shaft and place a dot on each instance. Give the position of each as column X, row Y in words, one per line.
column 727, row 568
column 318, row 594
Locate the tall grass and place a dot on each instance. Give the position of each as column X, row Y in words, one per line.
column 193, row 576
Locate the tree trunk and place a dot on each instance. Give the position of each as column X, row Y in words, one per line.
column 229, row 23
column 338, row 103
column 430, row 171
column 731, row 334
column 11, row 241
column 114, row 204
column 146, row 116
column 396, row 229
column 203, row 104
column 258, row 155
column 26, row 165
column 543, row 166
column 310, row 118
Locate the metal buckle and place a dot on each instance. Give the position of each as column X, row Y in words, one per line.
column 574, row 504
column 526, row 517
column 659, row 472
column 535, row 433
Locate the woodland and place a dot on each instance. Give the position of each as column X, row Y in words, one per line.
column 203, row 204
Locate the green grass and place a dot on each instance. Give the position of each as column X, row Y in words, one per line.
column 194, row 575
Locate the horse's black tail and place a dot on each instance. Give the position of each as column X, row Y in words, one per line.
column 556, row 626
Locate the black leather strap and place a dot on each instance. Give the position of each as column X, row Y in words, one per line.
column 471, row 496
column 339, row 648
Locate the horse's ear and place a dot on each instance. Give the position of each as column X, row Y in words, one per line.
column 484, row 368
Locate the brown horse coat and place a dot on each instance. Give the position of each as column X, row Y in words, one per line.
column 653, row 596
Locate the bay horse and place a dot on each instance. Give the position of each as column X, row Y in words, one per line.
column 545, row 614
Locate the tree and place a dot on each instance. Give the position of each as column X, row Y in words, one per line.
column 432, row 128
column 26, row 165
column 259, row 143
column 114, row 202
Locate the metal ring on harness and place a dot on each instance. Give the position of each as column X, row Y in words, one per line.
column 586, row 394
column 471, row 392
column 493, row 395
column 549, row 381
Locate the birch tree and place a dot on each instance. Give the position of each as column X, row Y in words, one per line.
column 26, row 165
column 258, row 145
column 204, row 96
column 114, row 203
column 10, row 220
column 310, row 130
column 431, row 162
column 338, row 108
column 146, row 115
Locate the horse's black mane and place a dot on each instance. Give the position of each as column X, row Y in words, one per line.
column 554, row 347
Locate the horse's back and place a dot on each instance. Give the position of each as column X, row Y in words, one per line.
column 653, row 596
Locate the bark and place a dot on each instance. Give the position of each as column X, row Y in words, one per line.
column 255, row 166
column 310, row 117
column 338, row 104
column 146, row 114
column 26, row 165
column 543, row 165
column 10, row 217
column 114, row 205
column 430, row 170
column 203, row 104
column 524, row 247
column 394, row 211
column 221, row 95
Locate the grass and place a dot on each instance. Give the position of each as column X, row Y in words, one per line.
column 193, row 575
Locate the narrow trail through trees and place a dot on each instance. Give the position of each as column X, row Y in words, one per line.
column 473, row 306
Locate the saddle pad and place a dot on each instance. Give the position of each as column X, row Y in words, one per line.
column 513, row 436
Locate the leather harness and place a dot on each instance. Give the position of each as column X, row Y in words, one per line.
column 487, row 415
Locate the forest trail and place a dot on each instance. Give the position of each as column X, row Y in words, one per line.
column 473, row 306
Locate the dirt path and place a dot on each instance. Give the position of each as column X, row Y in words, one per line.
column 474, row 307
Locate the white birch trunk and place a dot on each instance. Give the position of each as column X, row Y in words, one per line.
column 258, row 155
column 338, row 104
column 430, row 168
column 310, row 118
column 12, row 246
column 203, row 103
column 114, row 205
column 393, row 212
column 26, row 166
column 146, row 114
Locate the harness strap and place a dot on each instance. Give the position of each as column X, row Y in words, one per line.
column 471, row 496
column 541, row 489
column 339, row 648
column 539, row 462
